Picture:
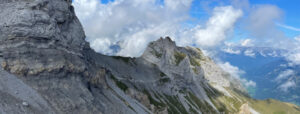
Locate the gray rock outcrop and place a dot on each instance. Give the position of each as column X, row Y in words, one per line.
column 40, row 36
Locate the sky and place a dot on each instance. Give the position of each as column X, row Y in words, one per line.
column 290, row 18
column 116, row 27
column 125, row 27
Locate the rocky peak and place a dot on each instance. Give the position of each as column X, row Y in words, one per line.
column 159, row 48
column 165, row 48
column 38, row 36
column 165, row 52
column 163, row 42
column 189, row 62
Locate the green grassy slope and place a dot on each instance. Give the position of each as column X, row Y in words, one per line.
column 271, row 106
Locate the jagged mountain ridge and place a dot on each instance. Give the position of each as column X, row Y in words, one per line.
column 48, row 67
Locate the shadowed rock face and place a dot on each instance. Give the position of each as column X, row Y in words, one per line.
column 42, row 44
column 43, row 52
column 40, row 36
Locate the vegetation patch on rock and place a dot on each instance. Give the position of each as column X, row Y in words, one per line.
column 194, row 61
column 125, row 59
column 179, row 57
column 157, row 54
column 120, row 84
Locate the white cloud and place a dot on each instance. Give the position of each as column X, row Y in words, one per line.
column 293, row 57
column 288, row 27
column 178, row 4
column 240, row 4
column 85, row 8
column 273, row 54
column 261, row 21
column 230, row 44
column 249, row 53
column 237, row 73
column 233, row 70
column 102, row 44
column 222, row 21
column 287, row 85
column 134, row 45
column 247, row 43
column 249, row 83
column 231, row 51
column 297, row 38
column 284, row 74
column 135, row 23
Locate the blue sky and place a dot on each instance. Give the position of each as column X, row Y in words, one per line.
column 290, row 10
column 290, row 15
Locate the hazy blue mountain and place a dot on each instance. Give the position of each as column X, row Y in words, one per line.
column 263, row 67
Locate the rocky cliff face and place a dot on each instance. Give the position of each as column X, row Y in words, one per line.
column 41, row 36
column 43, row 50
column 48, row 67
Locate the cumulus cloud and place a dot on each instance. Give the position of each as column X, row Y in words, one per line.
column 287, row 85
column 233, row 70
column 231, row 51
column 102, row 44
column 237, row 73
column 217, row 26
column 132, row 24
column 284, row 74
column 262, row 18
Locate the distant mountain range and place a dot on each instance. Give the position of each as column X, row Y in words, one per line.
column 274, row 76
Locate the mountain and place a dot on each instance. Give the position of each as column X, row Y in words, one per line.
column 248, row 58
column 48, row 67
column 265, row 67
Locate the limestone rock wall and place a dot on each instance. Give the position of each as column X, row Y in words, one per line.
column 40, row 36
